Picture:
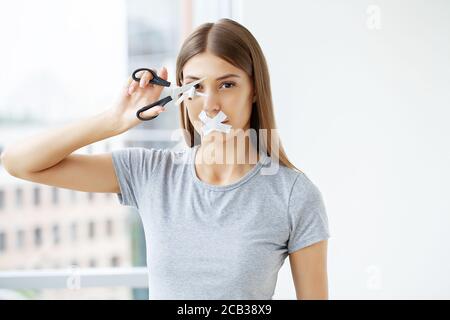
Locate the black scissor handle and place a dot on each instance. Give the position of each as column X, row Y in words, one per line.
column 156, row 79
column 161, row 102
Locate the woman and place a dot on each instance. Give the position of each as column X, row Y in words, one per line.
column 215, row 228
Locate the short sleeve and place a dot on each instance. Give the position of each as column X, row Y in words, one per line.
column 133, row 168
column 307, row 215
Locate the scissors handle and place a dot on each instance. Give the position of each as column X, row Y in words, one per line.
column 161, row 102
column 156, row 79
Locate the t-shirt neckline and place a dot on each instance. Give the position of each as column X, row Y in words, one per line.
column 262, row 160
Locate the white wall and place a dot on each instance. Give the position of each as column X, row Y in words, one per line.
column 363, row 111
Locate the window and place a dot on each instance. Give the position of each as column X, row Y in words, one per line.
column 109, row 227
column 2, row 241
column 36, row 196
column 91, row 232
column 73, row 231
column 19, row 198
column 92, row 263
column 56, row 235
column 115, row 261
column 55, row 196
column 38, row 236
column 2, row 199
column 144, row 30
column 20, row 239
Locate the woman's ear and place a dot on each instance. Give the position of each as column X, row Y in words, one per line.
column 254, row 98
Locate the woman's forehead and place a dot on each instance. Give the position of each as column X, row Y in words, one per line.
column 209, row 65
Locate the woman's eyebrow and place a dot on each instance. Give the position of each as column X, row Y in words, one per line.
column 228, row 75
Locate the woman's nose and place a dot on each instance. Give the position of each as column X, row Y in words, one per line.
column 211, row 104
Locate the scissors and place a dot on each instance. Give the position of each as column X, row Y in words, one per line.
column 175, row 91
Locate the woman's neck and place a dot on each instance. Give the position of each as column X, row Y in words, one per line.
column 224, row 163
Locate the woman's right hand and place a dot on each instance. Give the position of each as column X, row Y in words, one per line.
column 134, row 96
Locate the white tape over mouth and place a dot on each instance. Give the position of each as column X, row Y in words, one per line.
column 214, row 124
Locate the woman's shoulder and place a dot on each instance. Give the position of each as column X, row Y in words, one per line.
column 304, row 189
column 296, row 182
column 278, row 171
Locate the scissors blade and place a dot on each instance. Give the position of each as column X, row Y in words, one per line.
column 180, row 90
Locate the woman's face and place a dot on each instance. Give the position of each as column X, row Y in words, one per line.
column 227, row 89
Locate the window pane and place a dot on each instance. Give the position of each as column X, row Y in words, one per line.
column 55, row 195
column 37, row 236
column 91, row 229
column 20, row 241
column 2, row 241
column 37, row 196
column 56, row 237
column 2, row 199
column 19, row 198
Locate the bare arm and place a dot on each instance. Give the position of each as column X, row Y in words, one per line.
column 309, row 271
column 48, row 158
column 40, row 152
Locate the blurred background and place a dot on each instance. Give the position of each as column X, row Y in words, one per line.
column 361, row 93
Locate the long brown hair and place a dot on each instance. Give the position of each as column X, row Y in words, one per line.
column 232, row 42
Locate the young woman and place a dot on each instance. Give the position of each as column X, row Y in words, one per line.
column 215, row 228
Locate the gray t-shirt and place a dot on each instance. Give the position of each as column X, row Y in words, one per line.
column 208, row 241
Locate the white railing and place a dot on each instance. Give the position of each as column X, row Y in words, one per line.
column 133, row 277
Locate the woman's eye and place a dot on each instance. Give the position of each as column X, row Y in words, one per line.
column 228, row 85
